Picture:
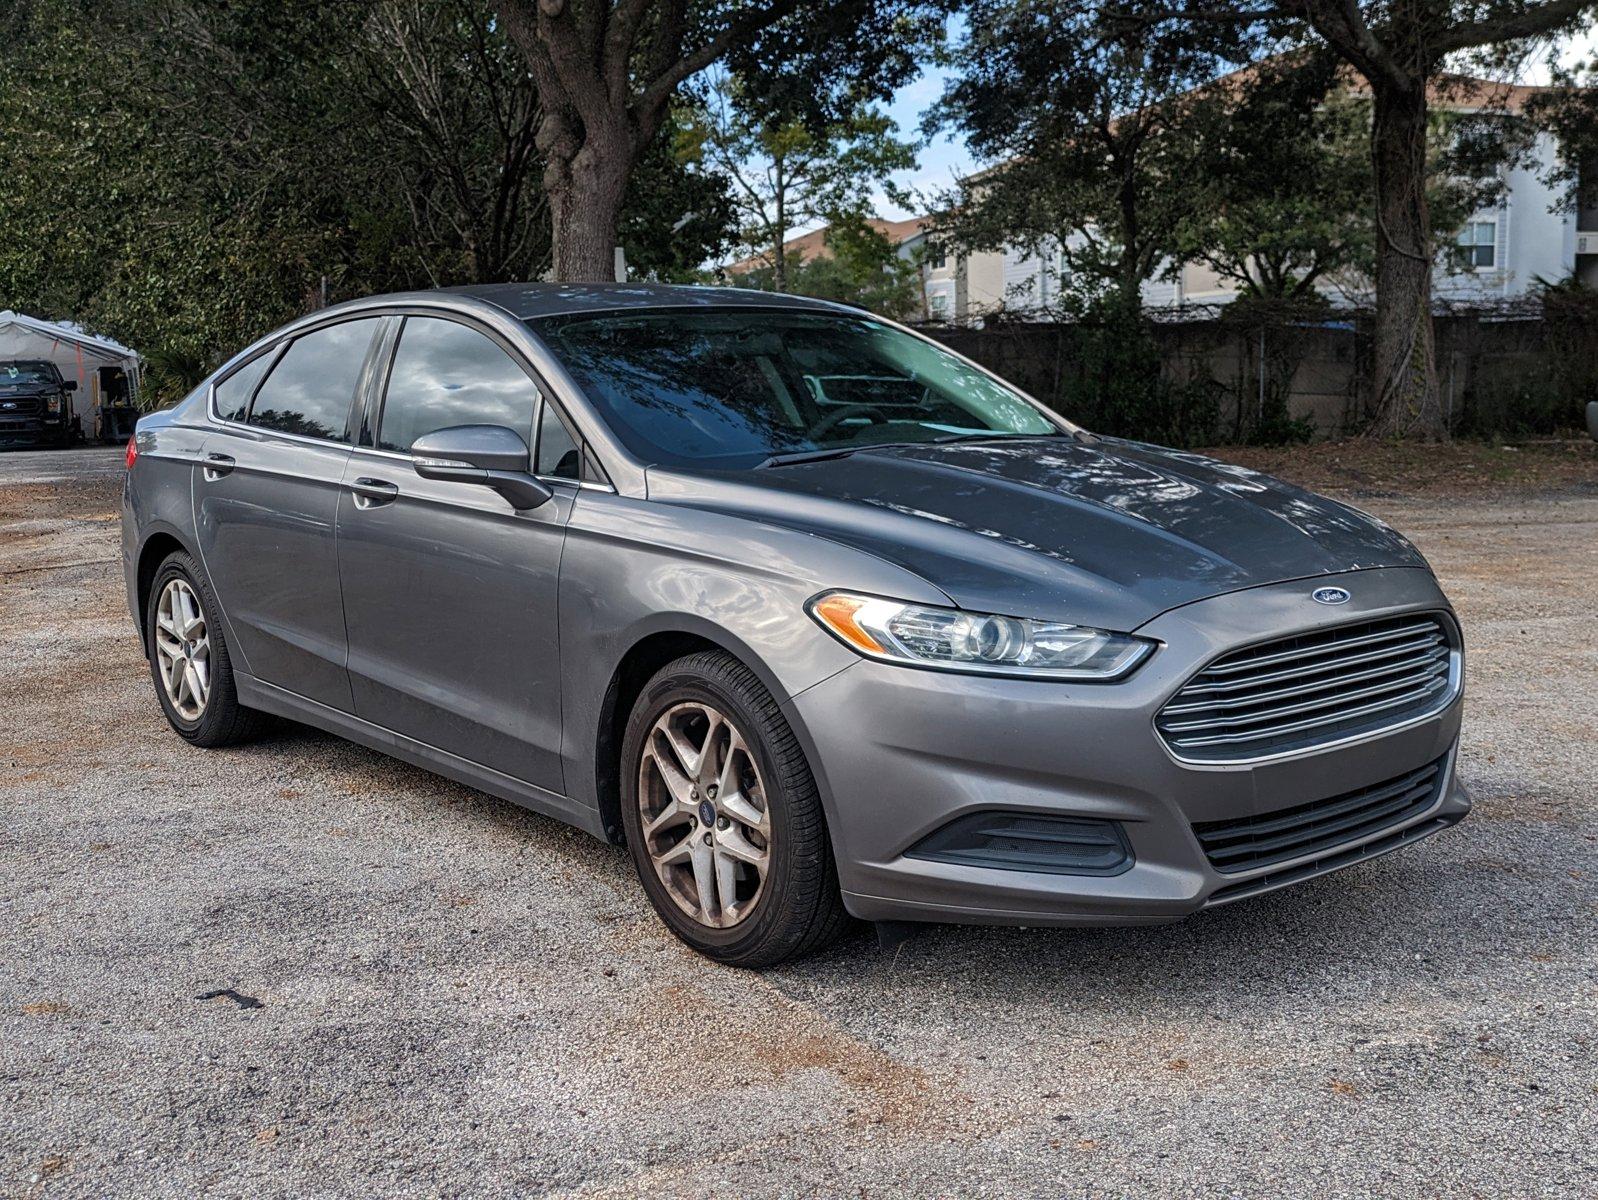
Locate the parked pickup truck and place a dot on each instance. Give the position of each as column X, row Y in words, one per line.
column 36, row 404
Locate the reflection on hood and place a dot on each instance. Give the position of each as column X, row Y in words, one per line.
column 1115, row 531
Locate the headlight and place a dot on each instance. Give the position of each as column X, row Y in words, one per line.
column 52, row 404
column 950, row 639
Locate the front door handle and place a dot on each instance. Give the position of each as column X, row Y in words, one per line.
column 218, row 465
column 369, row 493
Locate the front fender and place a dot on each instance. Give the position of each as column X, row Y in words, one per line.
column 634, row 568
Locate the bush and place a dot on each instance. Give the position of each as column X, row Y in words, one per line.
column 1116, row 384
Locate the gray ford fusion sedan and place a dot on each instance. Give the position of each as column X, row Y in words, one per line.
column 815, row 616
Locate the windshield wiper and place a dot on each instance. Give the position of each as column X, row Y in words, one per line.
column 993, row 437
column 806, row 456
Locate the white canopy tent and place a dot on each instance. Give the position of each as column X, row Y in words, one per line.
column 77, row 355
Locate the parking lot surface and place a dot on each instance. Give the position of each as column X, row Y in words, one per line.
column 301, row 968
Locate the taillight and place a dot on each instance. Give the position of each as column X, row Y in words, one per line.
column 133, row 452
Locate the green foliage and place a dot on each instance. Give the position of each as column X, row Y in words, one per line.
column 789, row 174
column 1547, row 390
column 679, row 211
column 609, row 71
column 1116, row 384
column 1094, row 125
column 1286, row 202
column 185, row 177
column 861, row 267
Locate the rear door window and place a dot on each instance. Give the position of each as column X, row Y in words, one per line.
column 312, row 388
column 445, row 374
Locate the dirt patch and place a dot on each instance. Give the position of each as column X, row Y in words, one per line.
column 86, row 498
column 760, row 1035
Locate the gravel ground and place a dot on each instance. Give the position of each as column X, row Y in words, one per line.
column 435, row 993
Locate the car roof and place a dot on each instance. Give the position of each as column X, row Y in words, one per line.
column 529, row 300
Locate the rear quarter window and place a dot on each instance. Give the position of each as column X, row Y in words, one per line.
column 233, row 393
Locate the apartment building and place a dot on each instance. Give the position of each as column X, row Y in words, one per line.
column 1531, row 234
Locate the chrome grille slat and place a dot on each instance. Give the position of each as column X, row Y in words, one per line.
column 1250, row 843
column 1420, row 644
column 1298, row 692
column 1304, row 651
column 1306, row 726
column 1274, row 715
column 1413, row 664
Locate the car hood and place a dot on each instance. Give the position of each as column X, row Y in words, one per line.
column 1095, row 530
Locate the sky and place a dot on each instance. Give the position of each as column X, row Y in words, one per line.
column 946, row 158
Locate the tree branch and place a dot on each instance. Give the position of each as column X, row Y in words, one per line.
column 1343, row 26
column 1528, row 23
column 659, row 90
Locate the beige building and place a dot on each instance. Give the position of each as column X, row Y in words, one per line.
column 1530, row 234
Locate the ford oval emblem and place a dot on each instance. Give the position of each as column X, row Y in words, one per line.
column 1329, row 596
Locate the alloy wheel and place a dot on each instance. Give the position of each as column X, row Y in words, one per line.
column 705, row 820
column 183, row 649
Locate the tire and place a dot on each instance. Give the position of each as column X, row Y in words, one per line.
column 796, row 907
column 220, row 720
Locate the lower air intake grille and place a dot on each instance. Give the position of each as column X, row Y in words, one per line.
column 1303, row 691
column 1011, row 841
column 1249, row 843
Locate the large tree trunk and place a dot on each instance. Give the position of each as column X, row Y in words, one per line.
column 585, row 197
column 1404, row 369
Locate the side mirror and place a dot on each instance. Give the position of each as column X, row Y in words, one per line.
column 69, row 385
column 490, row 455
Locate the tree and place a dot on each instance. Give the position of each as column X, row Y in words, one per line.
column 185, row 177
column 1400, row 49
column 449, row 99
column 861, row 266
column 786, row 176
column 678, row 215
column 1290, row 175
column 1092, row 126
column 607, row 71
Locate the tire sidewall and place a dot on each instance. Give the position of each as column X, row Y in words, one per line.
column 666, row 691
column 179, row 565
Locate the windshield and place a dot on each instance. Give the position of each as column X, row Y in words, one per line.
column 18, row 374
column 733, row 387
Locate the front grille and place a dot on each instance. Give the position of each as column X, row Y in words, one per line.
column 1304, row 691
column 1249, row 843
column 21, row 406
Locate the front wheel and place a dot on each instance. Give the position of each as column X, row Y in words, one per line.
column 723, row 821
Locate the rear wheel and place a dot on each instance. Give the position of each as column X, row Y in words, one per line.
column 723, row 821
column 189, row 660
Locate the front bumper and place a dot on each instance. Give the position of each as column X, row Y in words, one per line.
column 28, row 431
column 900, row 752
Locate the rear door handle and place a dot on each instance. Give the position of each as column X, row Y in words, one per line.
column 369, row 493
column 218, row 465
